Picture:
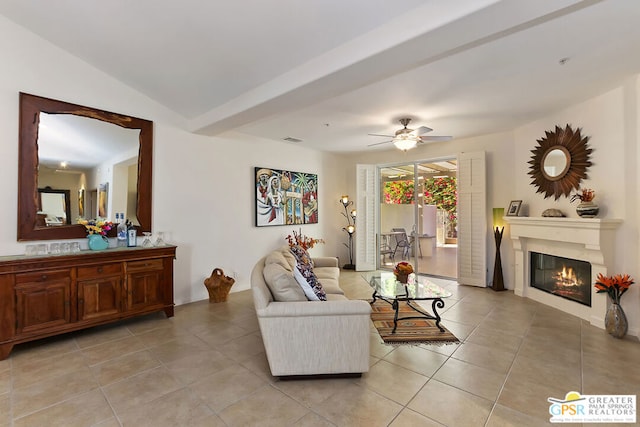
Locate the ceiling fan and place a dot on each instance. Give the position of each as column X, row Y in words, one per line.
column 406, row 139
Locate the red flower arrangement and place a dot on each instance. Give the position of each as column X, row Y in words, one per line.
column 615, row 286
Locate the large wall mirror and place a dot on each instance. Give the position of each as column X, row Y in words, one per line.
column 78, row 162
column 559, row 162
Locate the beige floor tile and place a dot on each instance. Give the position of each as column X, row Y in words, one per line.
column 178, row 408
column 36, row 370
column 312, row 420
column 110, row 350
column 259, row 365
column 221, row 334
column 248, row 323
column 506, row 417
column 461, row 315
column 393, row 382
column 564, row 374
column 417, row 359
column 5, row 410
column 181, row 346
column 313, row 391
column 488, row 357
column 147, row 323
column 159, row 336
column 409, row 418
column 125, row 366
column 198, row 365
column 266, row 407
column 242, row 348
column 84, row 410
column 5, row 365
column 530, row 398
column 354, row 405
column 111, row 422
column 226, row 387
column 460, row 330
column 100, row 335
column 451, row 406
column 51, row 391
column 377, row 347
column 140, row 389
column 39, row 352
column 474, row 379
column 5, row 382
column 494, row 339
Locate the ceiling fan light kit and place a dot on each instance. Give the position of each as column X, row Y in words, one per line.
column 406, row 139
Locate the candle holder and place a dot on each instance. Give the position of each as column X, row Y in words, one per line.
column 498, row 229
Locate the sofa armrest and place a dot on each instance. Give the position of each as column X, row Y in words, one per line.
column 315, row 308
column 327, row 261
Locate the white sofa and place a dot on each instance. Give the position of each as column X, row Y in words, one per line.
column 304, row 337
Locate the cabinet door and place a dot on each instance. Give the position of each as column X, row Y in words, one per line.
column 145, row 282
column 100, row 297
column 42, row 301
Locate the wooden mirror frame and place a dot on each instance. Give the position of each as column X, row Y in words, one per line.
column 575, row 148
column 30, row 108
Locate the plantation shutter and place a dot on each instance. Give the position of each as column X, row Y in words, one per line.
column 472, row 221
column 366, row 219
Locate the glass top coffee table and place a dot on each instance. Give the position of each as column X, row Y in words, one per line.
column 388, row 289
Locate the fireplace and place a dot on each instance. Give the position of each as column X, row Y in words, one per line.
column 588, row 239
column 564, row 277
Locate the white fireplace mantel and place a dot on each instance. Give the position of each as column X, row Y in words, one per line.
column 586, row 239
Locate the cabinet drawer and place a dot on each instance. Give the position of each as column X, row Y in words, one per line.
column 99, row 270
column 146, row 265
column 43, row 276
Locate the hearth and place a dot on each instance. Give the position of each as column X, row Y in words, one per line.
column 565, row 277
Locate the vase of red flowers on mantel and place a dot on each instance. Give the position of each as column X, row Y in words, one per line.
column 615, row 321
column 586, row 208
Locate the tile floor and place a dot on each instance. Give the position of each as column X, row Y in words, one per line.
column 206, row 367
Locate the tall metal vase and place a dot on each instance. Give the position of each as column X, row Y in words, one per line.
column 615, row 321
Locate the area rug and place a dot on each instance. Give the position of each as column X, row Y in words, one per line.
column 410, row 331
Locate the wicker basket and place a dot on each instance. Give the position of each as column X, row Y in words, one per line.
column 218, row 285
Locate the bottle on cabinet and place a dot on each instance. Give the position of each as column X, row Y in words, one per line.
column 122, row 230
column 131, row 235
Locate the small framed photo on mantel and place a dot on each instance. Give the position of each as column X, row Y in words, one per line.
column 514, row 208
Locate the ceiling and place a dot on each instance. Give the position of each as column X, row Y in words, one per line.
column 329, row 72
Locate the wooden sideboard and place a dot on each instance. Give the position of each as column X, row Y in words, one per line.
column 42, row 296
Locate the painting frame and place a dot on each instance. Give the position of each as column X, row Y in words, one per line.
column 514, row 208
column 284, row 197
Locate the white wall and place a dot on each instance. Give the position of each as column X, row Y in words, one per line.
column 611, row 121
column 203, row 186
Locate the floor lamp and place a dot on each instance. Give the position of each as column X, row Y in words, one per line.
column 498, row 229
column 350, row 229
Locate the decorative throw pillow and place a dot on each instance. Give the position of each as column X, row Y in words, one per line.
column 304, row 275
column 309, row 284
column 283, row 286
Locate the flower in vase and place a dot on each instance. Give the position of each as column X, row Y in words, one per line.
column 615, row 286
column 585, row 195
column 299, row 239
column 96, row 226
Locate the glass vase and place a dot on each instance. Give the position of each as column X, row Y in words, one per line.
column 98, row 242
column 615, row 321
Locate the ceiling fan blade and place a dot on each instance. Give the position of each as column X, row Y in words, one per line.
column 422, row 130
column 377, row 134
column 435, row 138
column 378, row 143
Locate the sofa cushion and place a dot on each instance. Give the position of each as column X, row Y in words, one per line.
column 282, row 284
column 283, row 258
column 329, row 277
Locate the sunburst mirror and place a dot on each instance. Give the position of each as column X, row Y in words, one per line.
column 560, row 162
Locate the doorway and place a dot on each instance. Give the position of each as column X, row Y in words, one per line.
column 418, row 216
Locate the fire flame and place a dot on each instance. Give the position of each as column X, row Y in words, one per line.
column 567, row 277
